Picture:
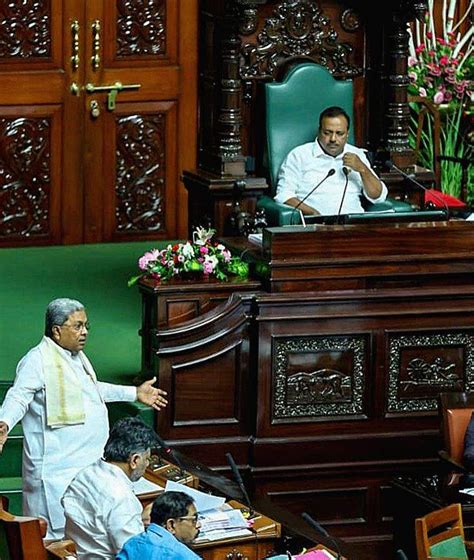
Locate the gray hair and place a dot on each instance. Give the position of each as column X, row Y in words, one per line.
column 58, row 312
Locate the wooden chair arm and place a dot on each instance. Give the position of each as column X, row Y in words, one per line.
column 62, row 549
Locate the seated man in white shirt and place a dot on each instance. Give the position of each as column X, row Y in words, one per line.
column 101, row 510
column 327, row 161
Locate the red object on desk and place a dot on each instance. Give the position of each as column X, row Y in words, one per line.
column 436, row 198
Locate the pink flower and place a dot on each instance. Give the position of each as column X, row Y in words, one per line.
column 208, row 267
column 429, row 35
column 440, row 41
column 420, row 48
column 438, row 97
column 412, row 76
column 203, row 250
column 434, row 70
column 448, row 96
column 444, row 60
column 412, row 61
column 422, row 92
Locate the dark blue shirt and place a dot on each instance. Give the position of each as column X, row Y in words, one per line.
column 156, row 543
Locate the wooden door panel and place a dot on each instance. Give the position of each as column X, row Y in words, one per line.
column 30, row 178
column 49, row 51
column 39, row 179
column 141, row 158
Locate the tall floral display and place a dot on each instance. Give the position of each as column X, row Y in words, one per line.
column 441, row 72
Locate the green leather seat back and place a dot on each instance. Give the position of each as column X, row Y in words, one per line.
column 450, row 548
column 293, row 108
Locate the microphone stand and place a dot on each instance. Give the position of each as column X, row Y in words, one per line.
column 330, row 173
column 240, row 482
column 320, row 529
column 410, row 178
column 346, row 172
column 166, row 449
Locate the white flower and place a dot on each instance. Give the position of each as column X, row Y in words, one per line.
column 188, row 250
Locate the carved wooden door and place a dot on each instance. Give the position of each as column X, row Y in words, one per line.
column 84, row 157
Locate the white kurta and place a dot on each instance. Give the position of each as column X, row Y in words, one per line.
column 307, row 165
column 102, row 512
column 53, row 456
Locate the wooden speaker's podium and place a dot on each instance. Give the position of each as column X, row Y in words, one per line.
column 322, row 257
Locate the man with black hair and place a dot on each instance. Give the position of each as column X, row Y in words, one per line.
column 174, row 527
column 329, row 160
column 101, row 510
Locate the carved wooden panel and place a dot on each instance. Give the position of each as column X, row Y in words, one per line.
column 141, row 28
column 424, row 364
column 140, row 172
column 318, row 378
column 25, row 29
column 296, row 29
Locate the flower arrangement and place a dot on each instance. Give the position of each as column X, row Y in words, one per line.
column 441, row 71
column 200, row 257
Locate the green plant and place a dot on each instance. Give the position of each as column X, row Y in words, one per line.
column 441, row 69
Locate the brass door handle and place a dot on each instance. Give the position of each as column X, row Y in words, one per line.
column 113, row 90
column 75, row 45
column 95, row 58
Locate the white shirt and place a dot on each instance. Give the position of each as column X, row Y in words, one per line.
column 305, row 166
column 102, row 512
column 53, row 456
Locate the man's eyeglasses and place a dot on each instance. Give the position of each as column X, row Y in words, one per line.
column 78, row 327
column 193, row 518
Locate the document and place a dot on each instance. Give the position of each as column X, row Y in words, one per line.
column 144, row 486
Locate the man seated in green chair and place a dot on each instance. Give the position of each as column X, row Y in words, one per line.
column 328, row 176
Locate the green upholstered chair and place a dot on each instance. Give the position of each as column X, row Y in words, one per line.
column 440, row 534
column 292, row 109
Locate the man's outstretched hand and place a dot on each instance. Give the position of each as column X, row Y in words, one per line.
column 147, row 394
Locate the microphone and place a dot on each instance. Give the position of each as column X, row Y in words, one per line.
column 166, row 449
column 320, row 529
column 346, row 172
column 391, row 165
column 240, row 482
column 400, row 555
column 330, row 173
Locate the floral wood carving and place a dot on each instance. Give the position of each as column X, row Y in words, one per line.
column 140, row 180
column 141, row 28
column 350, row 21
column 25, row 29
column 295, row 29
column 25, row 161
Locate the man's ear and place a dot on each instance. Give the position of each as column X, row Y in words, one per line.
column 133, row 460
column 170, row 526
column 56, row 332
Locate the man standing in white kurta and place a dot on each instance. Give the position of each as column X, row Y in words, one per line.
column 61, row 404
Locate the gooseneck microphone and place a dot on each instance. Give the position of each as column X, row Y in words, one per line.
column 410, row 178
column 346, row 171
column 240, row 482
column 166, row 449
column 320, row 529
column 330, row 173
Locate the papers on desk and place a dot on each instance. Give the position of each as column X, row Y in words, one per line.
column 218, row 519
column 144, row 486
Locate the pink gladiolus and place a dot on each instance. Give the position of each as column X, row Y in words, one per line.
column 204, row 250
column 420, row 48
column 444, row 60
column 438, row 97
column 412, row 61
column 448, row 96
column 422, row 92
column 412, row 76
column 429, row 35
column 440, row 41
